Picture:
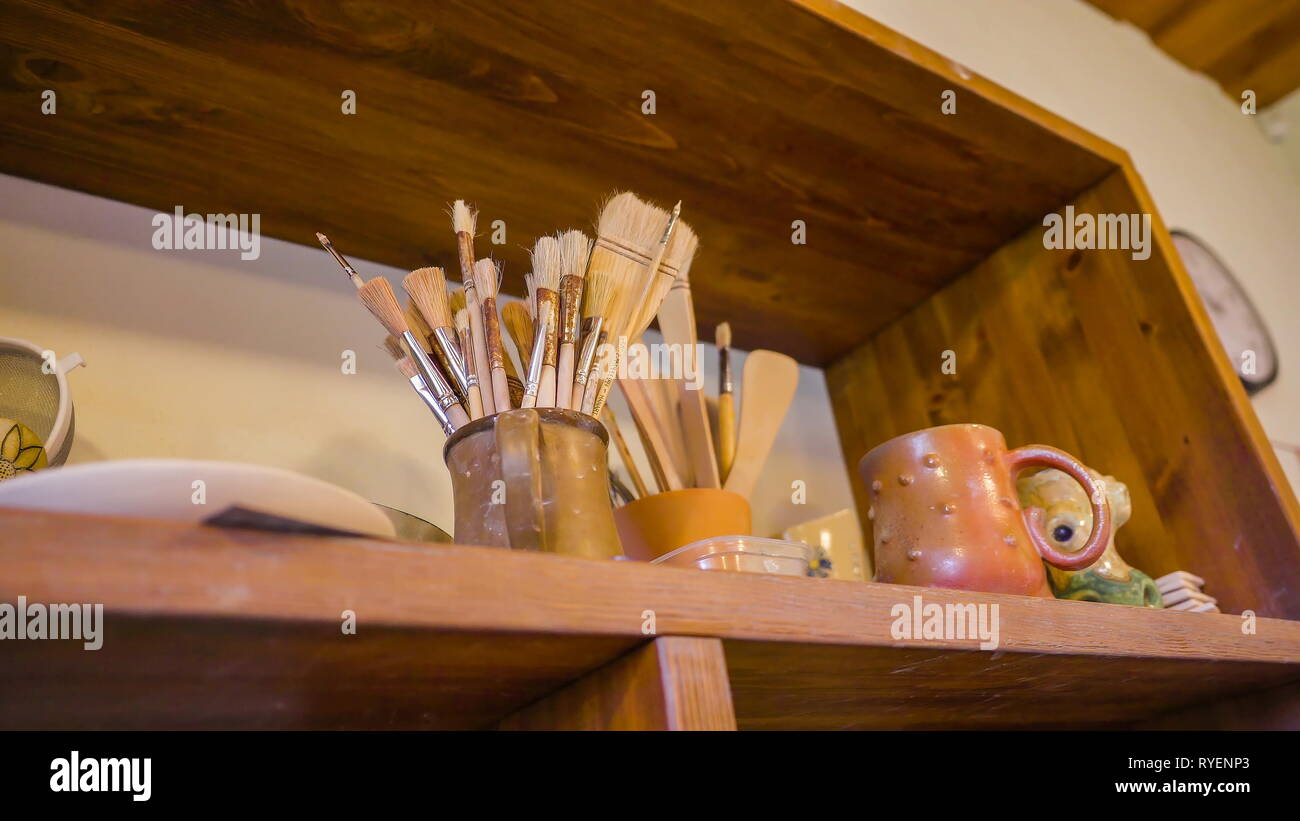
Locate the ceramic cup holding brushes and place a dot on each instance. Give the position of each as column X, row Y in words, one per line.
column 533, row 479
column 944, row 512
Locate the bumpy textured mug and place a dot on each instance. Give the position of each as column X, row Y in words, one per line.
column 944, row 512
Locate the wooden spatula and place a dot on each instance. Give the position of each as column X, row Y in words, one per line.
column 766, row 390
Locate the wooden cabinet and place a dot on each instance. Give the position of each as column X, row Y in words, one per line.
column 924, row 234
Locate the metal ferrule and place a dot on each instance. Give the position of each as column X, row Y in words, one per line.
column 570, row 308
column 548, row 310
column 433, row 379
column 590, row 341
column 534, row 377
column 724, row 371
column 448, row 343
column 418, row 383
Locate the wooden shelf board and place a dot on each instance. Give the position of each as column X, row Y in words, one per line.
column 211, row 627
column 767, row 111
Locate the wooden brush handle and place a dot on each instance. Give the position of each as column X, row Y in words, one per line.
column 624, row 453
column 655, row 448
column 726, row 434
column 564, row 376
column 481, row 366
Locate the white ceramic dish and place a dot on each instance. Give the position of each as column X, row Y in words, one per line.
column 167, row 489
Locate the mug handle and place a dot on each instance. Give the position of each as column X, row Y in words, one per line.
column 518, row 440
column 1044, row 456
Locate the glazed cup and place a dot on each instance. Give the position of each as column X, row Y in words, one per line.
column 533, row 479
column 655, row 525
column 945, row 512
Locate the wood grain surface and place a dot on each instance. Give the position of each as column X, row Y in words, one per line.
column 670, row 683
column 1242, row 44
column 212, row 627
column 1114, row 360
column 767, row 112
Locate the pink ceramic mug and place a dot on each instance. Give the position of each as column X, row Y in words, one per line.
column 944, row 512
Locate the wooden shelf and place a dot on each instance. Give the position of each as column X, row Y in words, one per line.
column 222, row 628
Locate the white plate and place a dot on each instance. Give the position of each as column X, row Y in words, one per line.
column 166, row 489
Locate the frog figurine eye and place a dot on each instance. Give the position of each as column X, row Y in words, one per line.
column 1063, row 533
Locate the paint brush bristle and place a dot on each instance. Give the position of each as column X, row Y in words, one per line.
column 486, row 278
column 722, row 335
column 599, row 295
column 394, row 347
column 464, row 217
column 520, row 327
column 575, row 250
column 407, row 367
column 415, row 321
column 378, row 297
column 456, row 301
column 428, row 290
column 631, row 222
column 548, row 266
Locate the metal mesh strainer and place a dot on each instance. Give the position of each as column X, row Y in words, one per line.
column 35, row 398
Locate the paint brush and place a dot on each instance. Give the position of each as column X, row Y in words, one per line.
column 427, row 288
column 548, row 270
column 575, row 250
column 597, row 307
column 726, row 401
column 519, row 327
column 343, row 263
column 627, row 232
column 487, row 277
column 378, row 298
column 466, row 336
column 463, row 221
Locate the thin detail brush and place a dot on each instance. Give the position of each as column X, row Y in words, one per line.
column 343, row 263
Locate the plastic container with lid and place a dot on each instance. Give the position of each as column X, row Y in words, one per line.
column 742, row 554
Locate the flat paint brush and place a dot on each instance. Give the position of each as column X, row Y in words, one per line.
column 547, row 273
column 378, row 297
column 677, row 324
column 597, row 307
column 642, row 298
column 487, row 276
column 407, row 368
column 575, row 251
column 519, row 327
column 343, row 263
column 463, row 221
column 726, row 401
column 627, row 233
column 427, row 288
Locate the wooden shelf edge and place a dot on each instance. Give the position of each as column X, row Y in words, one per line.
column 184, row 571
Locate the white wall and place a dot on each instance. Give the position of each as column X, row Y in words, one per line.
column 1209, row 167
column 198, row 354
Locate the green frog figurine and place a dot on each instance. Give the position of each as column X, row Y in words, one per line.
column 1068, row 521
